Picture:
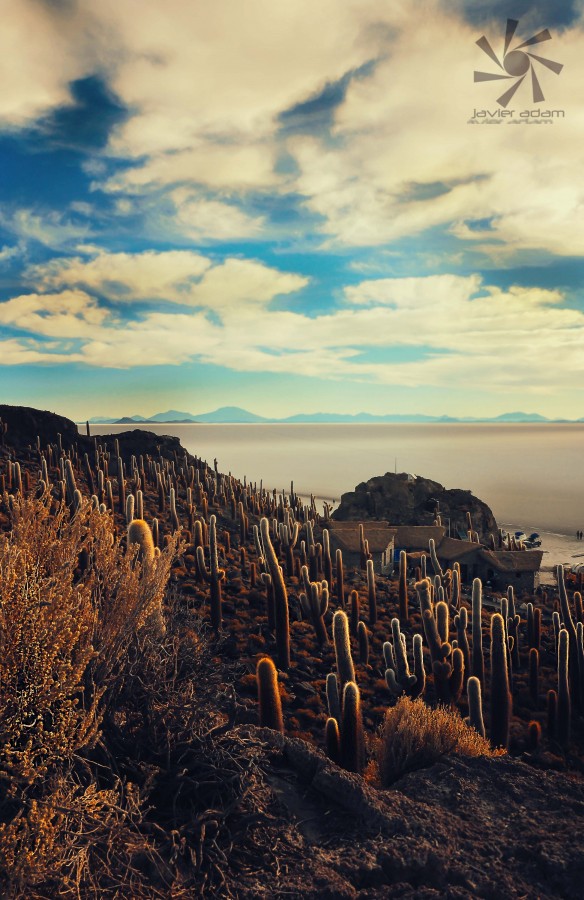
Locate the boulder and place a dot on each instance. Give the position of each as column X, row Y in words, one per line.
column 403, row 499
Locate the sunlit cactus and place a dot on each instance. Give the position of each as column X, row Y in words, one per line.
column 478, row 662
column 501, row 700
column 269, row 699
column 342, row 643
column 352, row 736
column 281, row 614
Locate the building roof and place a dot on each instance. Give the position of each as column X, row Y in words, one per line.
column 513, row 560
column 453, row 549
column 345, row 535
column 417, row 537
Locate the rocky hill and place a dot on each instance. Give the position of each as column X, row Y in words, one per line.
column 404, row 499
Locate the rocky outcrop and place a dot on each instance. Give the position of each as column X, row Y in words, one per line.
column 412, row 500
column 25, row 424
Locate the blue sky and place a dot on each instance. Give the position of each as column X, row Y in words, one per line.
column 284, row 207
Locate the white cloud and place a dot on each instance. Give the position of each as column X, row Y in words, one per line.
column 212, row 220
column 233, row 166
column 178, row 276
column 19, row 353
column 126, row 276
column 405, row 127
column 40, row 53
column 205, row 84
column 70, row 314
column 462, row 333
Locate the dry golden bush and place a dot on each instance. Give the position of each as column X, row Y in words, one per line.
column 64, row 632
column 414, row 735
column 75, row 608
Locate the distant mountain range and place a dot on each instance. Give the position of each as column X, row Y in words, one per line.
column 236, row 415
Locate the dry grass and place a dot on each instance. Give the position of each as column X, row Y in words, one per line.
column 414, row 736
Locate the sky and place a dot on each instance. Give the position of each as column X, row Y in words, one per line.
column 292, row 207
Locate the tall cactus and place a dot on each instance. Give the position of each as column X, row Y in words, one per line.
column 455, row 592
column 449, row 677
column 403, row 587
column 534, row 676
column 340, row 578
column 332, row 696
column 371, row 593
column 397, row 672
column 129, row 508
column 501, row 700
column 314, row 607
column 433, row 556
column 478, row 662
column 439, row 649
column 352, row 737
column 443, row 620
column 269, row 699
column 342, row 643
column 564, row 704
column 214, row 575
column 569, row 625
column 355, row 611
column 475, row 705
column 332, row 739
column 363, row 638
column 461, row 625
column 327, row 562
column 281, row 613
column 288, row 535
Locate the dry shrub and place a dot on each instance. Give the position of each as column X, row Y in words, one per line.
column 64, row 637
column 78, row 618
column 414, row 736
